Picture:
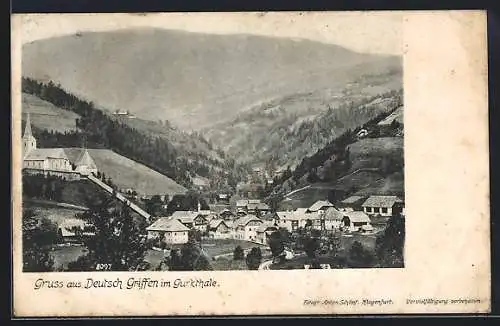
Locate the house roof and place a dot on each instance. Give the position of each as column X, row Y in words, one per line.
column 266, row 226
column 167, row 224
column 216, row 222
column 352, row 199
column 357, row 216
column 185, row 216
column 333, row 214
column 40, row 154
column 226, row 211
column 243, row 221
column 254, row 201
column 381, row 201
column 319, row 204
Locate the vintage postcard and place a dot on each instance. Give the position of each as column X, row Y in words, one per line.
column 250, row 163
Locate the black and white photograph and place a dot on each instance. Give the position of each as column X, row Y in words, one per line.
column 166, row 146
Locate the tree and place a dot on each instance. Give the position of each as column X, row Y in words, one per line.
column 238, row 253
column 117, row 240
column 193, row 259
column 37, row 239
column 254, row 258
column 311, row 246
column 390, row 244
column 359, row 256
column 175, row 261
column 277, row 245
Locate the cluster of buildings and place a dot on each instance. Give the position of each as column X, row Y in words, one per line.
column 253, row 221
column 69, row 163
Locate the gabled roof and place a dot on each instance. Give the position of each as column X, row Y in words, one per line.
column 319, row 204
column 357, row 216
column 185, row 216
column 216, row 222
column 243, row 221
column 40, row 154
column 333, row 214
column 352, row 199
column 167, row 224
column 381, row 201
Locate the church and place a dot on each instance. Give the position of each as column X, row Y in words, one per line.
column 54, row 161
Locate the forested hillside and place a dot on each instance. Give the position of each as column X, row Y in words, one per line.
column 283, row 131
column 98, row 129
column 351, row 163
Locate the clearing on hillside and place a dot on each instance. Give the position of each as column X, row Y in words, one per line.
column 45, row 115
column 126, row 173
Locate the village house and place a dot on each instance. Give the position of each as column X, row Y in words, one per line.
column 352, row 203
column 355, row 221
column 383, row 205
column 333, row 219
column 264, row 231
column 319, row 206
column 192, row 220
column 255, row 206
column 168, row 229
column 293, row 220
column 219, row 229
column 245, row 228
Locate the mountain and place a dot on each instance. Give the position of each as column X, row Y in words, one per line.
column 280, row 133
column 194, row 80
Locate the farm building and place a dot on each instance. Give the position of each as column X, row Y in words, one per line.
column 245, row 228
column 264, row 231
column 168, row 229
column 383, row 205
column 352, row 203
column 353, row 221
column 191, row 220
column 219, row 229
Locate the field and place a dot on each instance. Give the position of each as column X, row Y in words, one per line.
column 219, row 252
column 370, row 152
column 52, row 212
column 64, row 255
column 43, row 114
column 126, row 173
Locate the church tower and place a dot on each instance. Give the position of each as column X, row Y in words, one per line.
column 29, row 142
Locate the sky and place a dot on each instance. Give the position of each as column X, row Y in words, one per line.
column 370, row 32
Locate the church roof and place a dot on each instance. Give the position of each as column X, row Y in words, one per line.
column 40, row 154
column 86, row 160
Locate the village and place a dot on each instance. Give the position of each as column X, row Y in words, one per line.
column 231, row 223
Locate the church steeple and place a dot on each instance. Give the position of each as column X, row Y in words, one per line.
column 29, row 142
column 27, row 128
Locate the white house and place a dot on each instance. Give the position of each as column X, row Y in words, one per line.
column 293, row 220
column 354, row 221
column 219, row 229
column 168, row 229
column 383, row 205
column 333, row 218
column 192, row 220
column 245, row 228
